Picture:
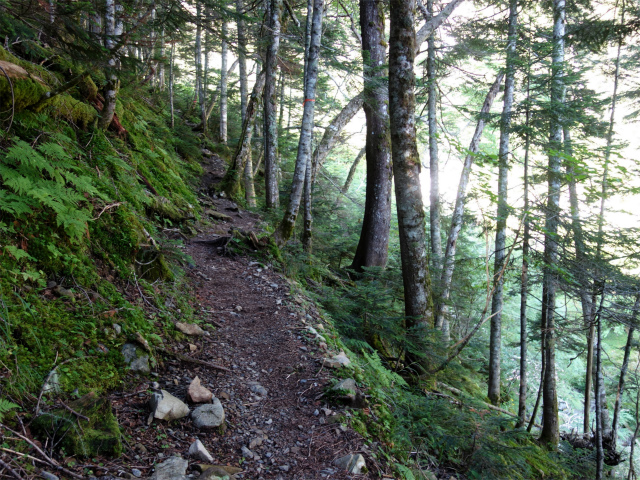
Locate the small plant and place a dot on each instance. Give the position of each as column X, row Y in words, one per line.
column 5, row 407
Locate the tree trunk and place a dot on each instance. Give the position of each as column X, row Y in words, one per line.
column 199, row 75
column 161, row 80
column 550, row 426
column 434, row 164
column 231, row 180
column 223, row 85
column 270, row 126
column 242, row 58
column 111, row 87
column 332, row 132
column 623, row 373
column 285, row 229
column 599, row 386
column 171, row 61
column 308, row 218
column 524, row 278
column 406, row 165
column 458, row 212
column 352, row 170
column 495, row 336
column 429, row 27
column 249, row 187
column 372, row 250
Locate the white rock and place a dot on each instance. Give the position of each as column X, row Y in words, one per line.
column 167, row 407
column 198, row 450
column 351, row 463
column 175, row 468
column 337, row 361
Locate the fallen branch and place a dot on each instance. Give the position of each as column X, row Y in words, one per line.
column 10, row 470
column 188, row 359
column 107, row 207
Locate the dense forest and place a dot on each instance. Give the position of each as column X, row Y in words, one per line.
column 449, row 185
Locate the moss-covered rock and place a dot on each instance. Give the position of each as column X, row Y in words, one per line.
column 98, row 436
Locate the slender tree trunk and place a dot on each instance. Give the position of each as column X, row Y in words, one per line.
column 599, row 386
column 623, row 373
column 308, row 218
column 332, row 132
column 270, row 126
column 524, row 278
column 231, row 180
column 543, row 369
column 372, row 250
column 352, row 170
column 111, row 88
column 458, row 212
column 632, row 472
column 582, row 267
column 434, row 164
column 171, row 61
column 550, row 427
column 406, row 165
column 199, row 75
column 242, row 57
column 223, row 85
column 495, row 335
column 249, row 187
column 281, row 82
column 285, row 229
column 161, row 79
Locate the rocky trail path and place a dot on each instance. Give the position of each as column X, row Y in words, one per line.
column 277, row 422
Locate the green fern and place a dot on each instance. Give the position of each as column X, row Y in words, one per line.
column 5, row 407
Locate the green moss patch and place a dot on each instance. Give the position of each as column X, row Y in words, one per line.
column 100, row 435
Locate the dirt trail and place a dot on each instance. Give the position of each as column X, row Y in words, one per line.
column 261, row 339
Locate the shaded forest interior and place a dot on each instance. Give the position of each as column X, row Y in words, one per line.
column 453, row 183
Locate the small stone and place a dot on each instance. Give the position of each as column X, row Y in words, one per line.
column 284, row 468
column 319, row 326
column 137, row 360
column 208, row 416
column 117, row 328
column 258, row 389
column 167, row 407
column 238, row 308
column 48, row 476
column 136, row 473
column 192, row 348
column 225, row 395
column 174, row 468
column 189, row 329
column 351, row 463
column 143, row 341
column 247, row 453
column 337, row 361
column 51, row 284
column 198, row 450
column 197, row 393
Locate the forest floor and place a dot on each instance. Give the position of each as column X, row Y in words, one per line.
column 272, row 391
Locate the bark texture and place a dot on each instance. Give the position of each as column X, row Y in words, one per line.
column 223, row 85
column 270, row 108
column 372, row 250
column 111, row 87
column 242, row 57
column 303, row 158
column 434, row 164
column 550, row 425
column 495, row 336
column 406, row 164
